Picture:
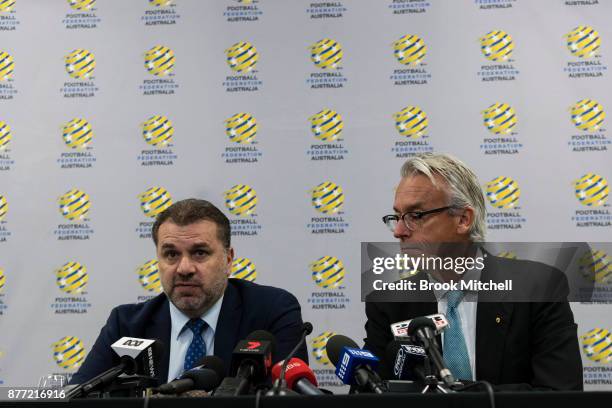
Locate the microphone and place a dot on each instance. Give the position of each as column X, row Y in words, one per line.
column 422, row 329
column 306, row 330
column 206, row 376
column 408, row 360
column 298, row 375
column 400, row 329
column 354, row 366
column 251, row 363
column 136, row 356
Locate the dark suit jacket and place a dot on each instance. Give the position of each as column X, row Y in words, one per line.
column 246, row 307
column 522, row 345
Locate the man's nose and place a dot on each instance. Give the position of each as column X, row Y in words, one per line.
column 401, row 231
column 185, row 266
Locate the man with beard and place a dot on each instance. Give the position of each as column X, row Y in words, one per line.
column 516, row 342
column 202, row 311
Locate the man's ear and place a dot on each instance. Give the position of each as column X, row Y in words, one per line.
column 229, row 253
column 466, row 220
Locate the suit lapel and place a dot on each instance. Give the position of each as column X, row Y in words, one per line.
column 228, row 325
column 160, row 330
column 492, row 322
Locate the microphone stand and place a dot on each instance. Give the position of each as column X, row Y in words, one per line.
column 280, row 385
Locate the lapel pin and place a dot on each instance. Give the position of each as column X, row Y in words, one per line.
column 498, row 320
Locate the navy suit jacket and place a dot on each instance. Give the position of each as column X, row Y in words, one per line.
column 519, row 344
column 246, row 307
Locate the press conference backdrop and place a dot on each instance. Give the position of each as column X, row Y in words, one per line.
column 294, row 117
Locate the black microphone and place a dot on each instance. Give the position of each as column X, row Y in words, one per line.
column 408, row 361
column 137, row 356
column 251, row 363
column 206, row 376
column 353, row 365
column 306, row 330
column 422, row 329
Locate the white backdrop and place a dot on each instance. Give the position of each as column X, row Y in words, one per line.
column 294, row 117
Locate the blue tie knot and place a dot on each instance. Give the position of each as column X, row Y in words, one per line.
column 453, row 297
column 196, row 326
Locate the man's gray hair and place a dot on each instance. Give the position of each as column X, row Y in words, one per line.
column 465, row 190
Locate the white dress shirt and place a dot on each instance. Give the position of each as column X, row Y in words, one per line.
column 181, row 336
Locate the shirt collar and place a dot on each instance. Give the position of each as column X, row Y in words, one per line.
column 179, row 319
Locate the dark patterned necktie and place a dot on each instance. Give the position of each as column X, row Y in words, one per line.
column 197, row 348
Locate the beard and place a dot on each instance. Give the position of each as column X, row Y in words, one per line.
column 196, row 298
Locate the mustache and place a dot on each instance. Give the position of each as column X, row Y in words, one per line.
column 189, row 279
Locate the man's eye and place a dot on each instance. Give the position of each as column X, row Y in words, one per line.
column 200, row 253
column 170, row 254
column 414, row 216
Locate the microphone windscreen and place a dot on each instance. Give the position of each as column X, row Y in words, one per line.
column 130, row 365
column 297, row 369
column 307, row 328
column 203, row 378
column 419, row 323
column 214, row 363
column 335, row 345
column 263, row 335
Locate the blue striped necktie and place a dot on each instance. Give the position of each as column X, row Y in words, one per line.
column 456, row 355
column 197, row 348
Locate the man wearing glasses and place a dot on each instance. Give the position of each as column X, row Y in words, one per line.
column 516, row 345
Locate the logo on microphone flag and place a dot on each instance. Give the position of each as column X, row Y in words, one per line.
column 81, row 5
column 319, row 345
column 592, row 190
column 154, row 200
column 597, row 345
column 328, row 272
column 69, row 352
column 71, row 277
column 243, row 268
column 497, row 46
column 148, row 276
column 242, row 57
column 588, row 115
column 410, row 50
column 583, row 42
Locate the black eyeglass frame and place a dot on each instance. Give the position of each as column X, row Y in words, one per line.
column 415, row 215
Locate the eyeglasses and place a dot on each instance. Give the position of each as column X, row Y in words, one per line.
column 412, row 219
